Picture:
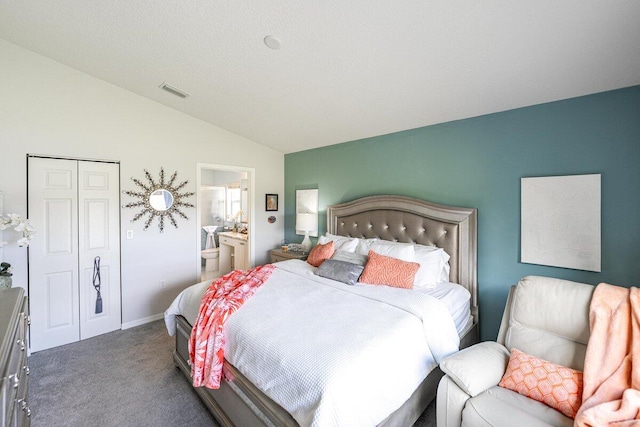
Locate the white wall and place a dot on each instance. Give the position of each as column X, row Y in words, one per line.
column 49, row 109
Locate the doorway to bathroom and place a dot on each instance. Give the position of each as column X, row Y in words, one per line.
column 224, row 214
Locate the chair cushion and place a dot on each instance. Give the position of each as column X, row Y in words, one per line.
column 499, row 407
column 549, row 319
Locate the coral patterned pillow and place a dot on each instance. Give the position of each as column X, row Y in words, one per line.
column 320, row 253
column 554, row 385
column 385, row 270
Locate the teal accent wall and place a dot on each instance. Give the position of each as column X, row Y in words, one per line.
column 478, row 162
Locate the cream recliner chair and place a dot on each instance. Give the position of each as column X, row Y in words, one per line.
column 547, row 318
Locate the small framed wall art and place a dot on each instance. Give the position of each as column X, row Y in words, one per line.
column 271, row 202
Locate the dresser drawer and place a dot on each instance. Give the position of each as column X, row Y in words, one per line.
column 226, row 240
column 16, row 378
column 21, row 410
column 14, row 369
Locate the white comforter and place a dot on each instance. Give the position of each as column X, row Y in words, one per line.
column 329, row 353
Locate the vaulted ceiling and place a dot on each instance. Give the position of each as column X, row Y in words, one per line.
column 344, row 70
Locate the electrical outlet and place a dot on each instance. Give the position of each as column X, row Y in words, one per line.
column 129, row 234
column 162, row 284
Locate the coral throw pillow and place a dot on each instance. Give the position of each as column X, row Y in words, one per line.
column 385, row 270
column 320, row 253
column 554, row 385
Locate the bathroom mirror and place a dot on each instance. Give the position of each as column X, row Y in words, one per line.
column 159, row 200
column 237, row 201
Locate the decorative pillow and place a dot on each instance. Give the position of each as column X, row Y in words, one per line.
column 342, row 243
column 403, row 251
column 350, row 257
column 434, row 263
column 384, row 270
column 554, row 385
column 320, row 253
column 341, row 271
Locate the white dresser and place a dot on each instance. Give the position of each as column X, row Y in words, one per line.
column 14, row 367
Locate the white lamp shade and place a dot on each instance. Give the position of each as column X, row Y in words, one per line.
column 307, row 222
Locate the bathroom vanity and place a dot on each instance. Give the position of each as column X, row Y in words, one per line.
column 234, row 252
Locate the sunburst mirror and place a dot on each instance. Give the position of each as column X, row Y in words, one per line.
column 159, row 200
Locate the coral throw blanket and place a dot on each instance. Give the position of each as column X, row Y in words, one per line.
column 611, row 393
column 224, row 297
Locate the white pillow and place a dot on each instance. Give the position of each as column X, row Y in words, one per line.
column 434, row 266
column 446, row 271
column 352, row 257
column 364, row 245
column 403, row 251
column 340, row 243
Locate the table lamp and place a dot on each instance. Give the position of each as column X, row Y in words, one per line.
column 306, row 223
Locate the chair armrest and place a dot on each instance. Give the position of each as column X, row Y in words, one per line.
column 477, row 368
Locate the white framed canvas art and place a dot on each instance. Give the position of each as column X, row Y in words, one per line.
column 560, row 221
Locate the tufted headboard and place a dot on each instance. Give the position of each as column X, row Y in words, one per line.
column 410, row 220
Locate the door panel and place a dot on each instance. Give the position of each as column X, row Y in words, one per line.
column 60, row 300
column 58, row 215
column 99, row 219
column 59, row 179
column 97, row 230
column 53, row 256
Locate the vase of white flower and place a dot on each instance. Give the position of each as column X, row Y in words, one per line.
column 18, row 224
column 5, row 275
column 21, row 225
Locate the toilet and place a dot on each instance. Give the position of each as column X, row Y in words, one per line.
column 211, row 257
column 211, row 253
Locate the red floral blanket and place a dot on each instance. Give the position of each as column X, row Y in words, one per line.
column 223, row 298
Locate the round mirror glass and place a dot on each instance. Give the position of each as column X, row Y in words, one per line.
column 161, row 200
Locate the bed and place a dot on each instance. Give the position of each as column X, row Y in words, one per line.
column 238, row 402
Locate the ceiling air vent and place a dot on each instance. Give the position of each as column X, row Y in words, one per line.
column 174, row 90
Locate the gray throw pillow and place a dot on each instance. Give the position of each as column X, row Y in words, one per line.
column 341, row 271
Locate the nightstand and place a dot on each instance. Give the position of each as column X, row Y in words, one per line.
column 277, row 255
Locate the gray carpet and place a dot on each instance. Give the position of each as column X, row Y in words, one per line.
column 124, row 378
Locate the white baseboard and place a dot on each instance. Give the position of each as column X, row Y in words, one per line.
column 142, row 321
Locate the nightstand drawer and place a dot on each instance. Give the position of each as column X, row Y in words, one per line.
column 278, row 258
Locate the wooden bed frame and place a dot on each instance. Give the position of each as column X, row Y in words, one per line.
column 396, row 218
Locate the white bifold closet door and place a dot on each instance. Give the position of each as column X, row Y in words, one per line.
column 74, row 207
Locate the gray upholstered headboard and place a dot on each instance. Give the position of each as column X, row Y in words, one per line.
column 409, row 220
